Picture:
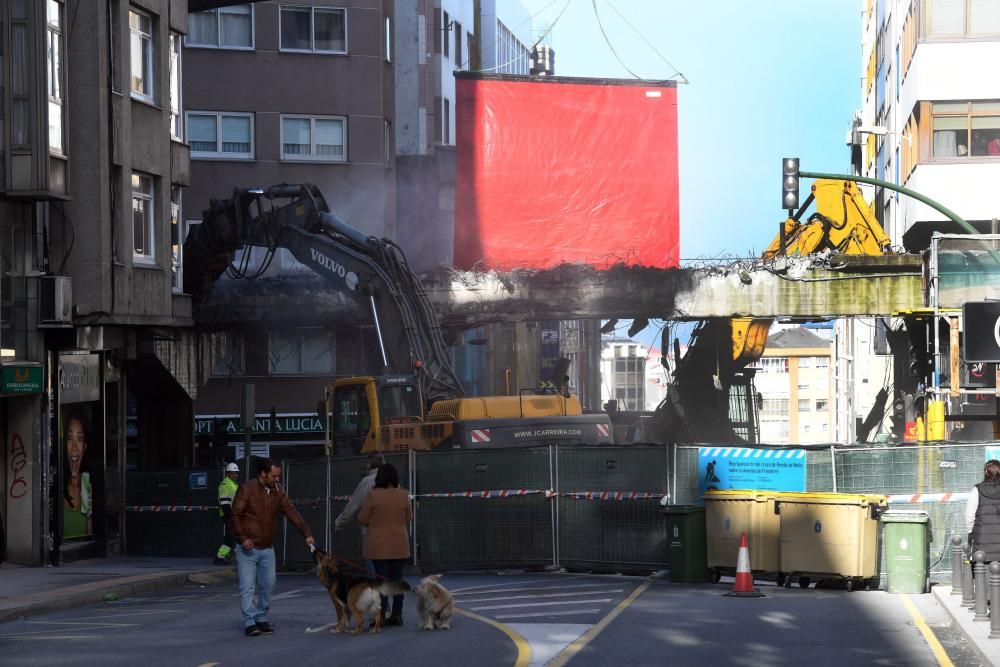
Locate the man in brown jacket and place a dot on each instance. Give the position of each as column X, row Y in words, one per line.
column 255, row 513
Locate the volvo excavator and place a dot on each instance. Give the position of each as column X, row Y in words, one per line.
column 417, row 401
column 711, row 397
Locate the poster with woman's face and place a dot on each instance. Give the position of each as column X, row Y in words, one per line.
column 79, row 453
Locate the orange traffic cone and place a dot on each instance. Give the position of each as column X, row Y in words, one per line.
column 743, row 585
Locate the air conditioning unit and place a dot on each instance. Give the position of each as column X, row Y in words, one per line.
column 55, row 300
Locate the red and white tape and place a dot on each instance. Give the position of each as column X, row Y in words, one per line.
column 614, row 495
column 169, row 508
column 490, row 493
column 908, row 498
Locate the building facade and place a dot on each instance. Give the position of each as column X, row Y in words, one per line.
column 929, row 120
column 795, row 383
column 90, row 320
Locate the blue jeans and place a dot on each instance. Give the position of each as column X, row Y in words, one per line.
column 257, row 577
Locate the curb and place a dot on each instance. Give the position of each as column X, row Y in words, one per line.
column 952, row 605
column 85, row 594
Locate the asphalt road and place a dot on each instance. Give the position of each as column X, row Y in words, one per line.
column 506, row 620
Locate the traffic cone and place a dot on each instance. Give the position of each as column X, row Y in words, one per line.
column 743, row 585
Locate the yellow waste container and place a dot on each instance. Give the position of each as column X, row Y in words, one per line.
column 730, row 513
column 827, row 535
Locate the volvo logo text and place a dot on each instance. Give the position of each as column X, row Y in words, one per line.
column 349, row 277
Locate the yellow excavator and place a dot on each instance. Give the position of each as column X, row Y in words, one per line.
column 711, row 397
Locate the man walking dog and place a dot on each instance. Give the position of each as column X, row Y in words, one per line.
column 255, row 513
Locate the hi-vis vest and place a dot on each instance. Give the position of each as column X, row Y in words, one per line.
column 227, row 491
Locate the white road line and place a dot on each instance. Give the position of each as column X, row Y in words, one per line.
column 546, row 595
column 538, row 604
column 141, row 612
column 530, row 588
column 89, row 623
column 35, row 638
column 516, row 582
column 575, row 612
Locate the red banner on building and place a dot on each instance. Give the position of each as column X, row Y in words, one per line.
column 557, row 169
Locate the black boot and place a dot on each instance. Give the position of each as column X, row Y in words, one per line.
column 395, row 619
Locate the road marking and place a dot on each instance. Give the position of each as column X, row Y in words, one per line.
column 288, row 594
column 522, row 582
column 575, row 612
column 90, row 623
column 544, row 595
column 47, row 637
column 475, row 590
column 574, row 648
column 539, row 604
column 523, row 647
column 925, row 630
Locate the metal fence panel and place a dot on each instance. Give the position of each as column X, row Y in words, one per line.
column 685, row 490
column 819, row 470
column 612, row 535
column 476, row 532
column 305, row 484
column 171, row 532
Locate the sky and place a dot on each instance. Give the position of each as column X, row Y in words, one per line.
column 767, row 79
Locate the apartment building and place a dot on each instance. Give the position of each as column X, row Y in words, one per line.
column 929, row 120
column 795, row 383
column 307, row 96
column 90, row 320
column 632, row 374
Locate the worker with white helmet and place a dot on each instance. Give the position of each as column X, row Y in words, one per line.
column 227, row 490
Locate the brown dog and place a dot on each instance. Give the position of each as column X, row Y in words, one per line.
column 353, row 595
column 434, row 604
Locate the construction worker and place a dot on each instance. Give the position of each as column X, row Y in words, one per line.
column 227, row 491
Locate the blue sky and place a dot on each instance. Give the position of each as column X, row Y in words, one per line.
column 768, row 79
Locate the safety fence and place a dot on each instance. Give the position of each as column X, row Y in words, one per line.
column 580, row 507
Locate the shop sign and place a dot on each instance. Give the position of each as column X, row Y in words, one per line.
column 22, row 379
column 79, row 378
column 285, row 424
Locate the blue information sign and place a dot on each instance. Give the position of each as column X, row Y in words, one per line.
column 744, row 468
column 198, row 480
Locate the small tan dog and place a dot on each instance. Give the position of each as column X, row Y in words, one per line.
column 434, row 604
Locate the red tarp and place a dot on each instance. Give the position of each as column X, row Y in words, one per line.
column 558, row 169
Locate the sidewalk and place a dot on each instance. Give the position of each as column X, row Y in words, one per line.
column 977, row 632
column 26, row 591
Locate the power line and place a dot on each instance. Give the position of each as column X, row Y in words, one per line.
column 513, row 31
column 608, row 41
column 683, row 79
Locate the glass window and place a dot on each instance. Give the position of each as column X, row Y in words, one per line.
column 227, row 354
column 822, row 362
column 301, row 353
column 313, row 138
column 141, row 50
column 351, row 416
column 142, row 217
column 176, row 240
column 445, row 35
column 55, row 73
column 821, row 404
column 20, row 63
column 175, row 86
column 314, row 29
column 458, row 44
column 223, row 28
column 963, row 18
column 220, row 135
column 774, row 364
column 388, row 39
column 805, row 405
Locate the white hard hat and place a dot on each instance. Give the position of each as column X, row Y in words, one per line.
column 232, row 467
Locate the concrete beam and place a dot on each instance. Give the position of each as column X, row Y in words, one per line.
column 852, row 286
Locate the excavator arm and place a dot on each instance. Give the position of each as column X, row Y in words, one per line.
column 372, row 272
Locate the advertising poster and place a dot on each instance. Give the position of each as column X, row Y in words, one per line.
column 81, row 443
column 744, row 468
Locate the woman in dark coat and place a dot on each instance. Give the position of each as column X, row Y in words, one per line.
column 982, row 512
column 387, row 515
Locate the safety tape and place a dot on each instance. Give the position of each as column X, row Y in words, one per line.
column 169, row 508
column 907, row 498
column 614, row 495
column 491, row 493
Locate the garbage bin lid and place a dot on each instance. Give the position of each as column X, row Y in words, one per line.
column 740, row 494
column 904, row 516
column 862, row 499
column 682, row 509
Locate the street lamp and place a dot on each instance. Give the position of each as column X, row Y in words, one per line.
column 881, row 131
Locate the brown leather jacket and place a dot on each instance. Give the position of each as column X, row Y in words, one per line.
column 255, row 513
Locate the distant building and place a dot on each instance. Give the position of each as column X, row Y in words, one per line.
column 794, row 379
column 632, row 374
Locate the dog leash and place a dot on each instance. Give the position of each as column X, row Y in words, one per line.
column 340, row 559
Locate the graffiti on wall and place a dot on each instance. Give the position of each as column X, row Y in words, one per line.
column 18, row 462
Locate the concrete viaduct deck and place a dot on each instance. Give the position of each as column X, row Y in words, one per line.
column 844, row 286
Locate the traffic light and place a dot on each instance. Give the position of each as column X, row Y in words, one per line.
column 790, row 183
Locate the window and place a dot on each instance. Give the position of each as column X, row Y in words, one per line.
column 388, row 39
column 175, row 86
column 446, row 121
column 805, row 362
column 774, row 408
column 966, row 129
column 822, row 362
column 445, row 37
column 55, row 73
column 142, row 217
column 220, row 135
column 319, row 138
column 821, row 404
column 300, row 353
column 141, row 49
column 223, row 28
column 387, row 144
column 176, row 240
column 314, row 29
column 962, row 18
column 458, row 43
column 774, row 364
column 20, row 63
column 805, row 405
column 227, row 356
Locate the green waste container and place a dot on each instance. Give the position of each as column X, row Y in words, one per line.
column 905, row 538
column 686, row 552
